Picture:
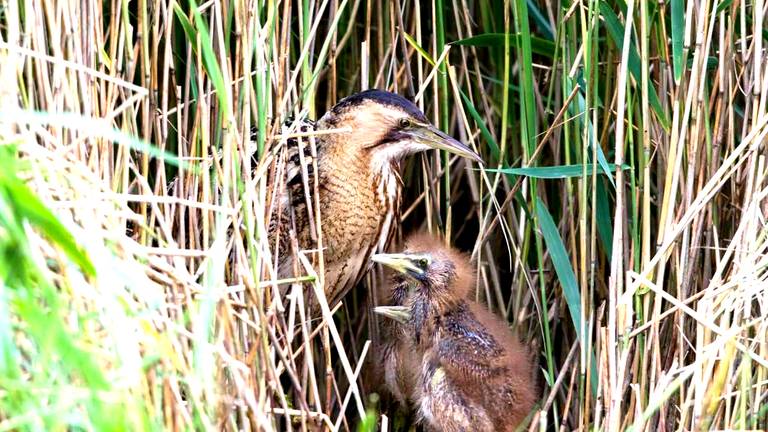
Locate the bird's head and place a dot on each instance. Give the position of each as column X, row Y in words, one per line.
column 429, row 278
column 389, row 127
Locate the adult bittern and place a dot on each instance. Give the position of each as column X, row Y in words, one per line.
column 475, row 375
column 359, row 186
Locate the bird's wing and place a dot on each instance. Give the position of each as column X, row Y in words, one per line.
column 447, row 406
column 291, row 185
column 298, row 157
column 346, row 274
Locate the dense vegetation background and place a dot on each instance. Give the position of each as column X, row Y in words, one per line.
column 619, row 225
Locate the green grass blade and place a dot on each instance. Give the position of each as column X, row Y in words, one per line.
column 412, row 42
column 94, row 127
column 311, row 85
column 186, row 25
column 562, row 264
column 26, row 206
column 566, row 276
column 723, row 5
column 209, row 57
column 554, row 172
column 616, row 32
column 484, row 131
column 678, row 27
column 538, row 45
column 541, row 21
column 603, row 215
column 30, row 208
column 529, row 129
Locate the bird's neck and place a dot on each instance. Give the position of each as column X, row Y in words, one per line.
column 389, row 174
column 376, row 174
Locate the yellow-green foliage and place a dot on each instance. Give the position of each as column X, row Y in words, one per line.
column 619, row 224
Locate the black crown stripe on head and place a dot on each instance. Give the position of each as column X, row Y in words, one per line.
column 382, row 97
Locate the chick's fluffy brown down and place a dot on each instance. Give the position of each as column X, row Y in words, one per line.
column 475, row 373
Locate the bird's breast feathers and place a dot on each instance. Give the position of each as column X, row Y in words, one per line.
column 388, row 185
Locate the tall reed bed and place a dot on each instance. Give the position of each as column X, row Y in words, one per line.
column 619, row 224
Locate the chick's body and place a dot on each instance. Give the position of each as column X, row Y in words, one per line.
column 401, row 367
column 397, row 356
column 475, row 374
column 480, row 370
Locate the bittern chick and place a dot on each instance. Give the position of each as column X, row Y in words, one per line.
column 395, row 356
column 358, row 183
column 475, row 374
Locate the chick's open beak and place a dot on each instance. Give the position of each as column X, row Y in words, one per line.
column 401, row 263
column 433, row 137
column 400, row 314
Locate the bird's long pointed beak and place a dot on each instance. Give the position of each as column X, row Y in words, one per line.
column 400, row 314
column 401, row 263
column 433, row 137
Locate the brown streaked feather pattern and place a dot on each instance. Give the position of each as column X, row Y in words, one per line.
column 359, row 207
column 291, row 204
column 344, row 195
column 475, row 374
column 445, row 408
column 396, row 355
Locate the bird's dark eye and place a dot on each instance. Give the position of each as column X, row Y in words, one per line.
column 404, row 123
column 423, row 263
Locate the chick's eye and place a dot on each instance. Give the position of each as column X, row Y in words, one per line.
column 404, row 122
column 423, row 263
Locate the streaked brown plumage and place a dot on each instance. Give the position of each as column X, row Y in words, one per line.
column 475, row 374
column 395, row 355
column 358, row 181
